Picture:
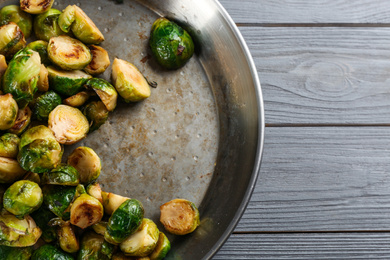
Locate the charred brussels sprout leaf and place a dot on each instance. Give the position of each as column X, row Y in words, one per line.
column 36, row 6
column 100, row 60
column 40, row 47
column 124, row 221
column 8, row 111
column 162, row 248
column 9, row 145
column 94, row 247
column 13, row 13
column 21, row 77
column 22, row 198
column 86, row 162
column 171, row 45
column 45, row 104
column 105, row 91
column 50, row 252
column 46, row 26
column 11, row 40
column 58, row 199
column 96, row 113
column 10, row 170
column 15, row 253
column 67, row 83
column 22, row 121
column 62, row 175
column 84, row 28
column 42, row 216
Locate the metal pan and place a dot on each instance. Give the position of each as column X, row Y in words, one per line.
column 200, row 134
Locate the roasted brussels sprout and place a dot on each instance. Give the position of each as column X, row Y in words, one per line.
column 3, row 66
column 10, row 170
column 105, row 91
column 124, row 221
column 94, row 247
column 42, row 216
column 58, row 199
column 9, row 145
column 95, row 191
column 179, row 216
column 100, row 228
column 22, row 121
column 46, row 26
column 68, row 124
column 66, row 235
column 21, row 77
column 13, row 13
column 15, row 253
column 22, row 198
column 61, row 175
column 50, row 252
column 68, row 53
column 162, row 248
column 43, row 81
column 12, row 40
column 8, row 111
column 129, row 82
column 36, row 6
column 32, row 176
column 17, row 232
column 143, row 241
column 40, row 47
column 67, row 18
column 46, row 103
column 86, row 211
column 100, row 60
column 87, row 163
column 67, row 83
column 78, row 100
column 112, row 201
column 38, row 150
column 171, row 45
column 96, row 113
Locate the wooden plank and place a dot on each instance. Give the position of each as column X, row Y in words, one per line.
column 323, row 75
column 322, row 178
column 319, row 11
column 306, row 246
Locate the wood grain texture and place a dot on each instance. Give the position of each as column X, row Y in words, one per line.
column 306, row 246
column 323, row 75
column 318, row 11
column 322, row 179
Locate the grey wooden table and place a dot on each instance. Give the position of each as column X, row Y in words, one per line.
column 324, row 185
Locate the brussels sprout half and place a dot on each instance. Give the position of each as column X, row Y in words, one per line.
column 17, row 232
column 84, row 29
column 13, row 13
column 171, row 45
column 143, row 241
column 100, row 228
column 58, row 199
column 46, row 26
column 9, row 145
column 50, row 252
column 66, row 236
column 22, row 198
column 112, row 201
column 124, row 221
column 40, row 47
column 61, row 175
column 67, row 83
column 11, row 40
column 96, row 113
column 129, row 82
column 46, row 103
column 10, row 170
column 105, row 91
column 87, row 163
column 36, row 6
column 42, row 216
column 15, row 253
column 95, row 191
column 78, row 100
column 21, row 77
column 8, row 111
column 162, row 248
column 3, row 66
column 179, row 216
column 94, row 247
column 22, row 121
column 86, row 211
column 43, row 81
column 100, row 60
column 68, row 53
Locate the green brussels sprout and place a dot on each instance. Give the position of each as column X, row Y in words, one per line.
column 46, row 26
column 171, row 45
column 8, row 111
column 100, row 228
column 13, row 13
column 162, row 248
column 32, row 176
column 42, row 216
column 129, row 82
column 80, row 189
column 87, row 163
column 17, row 232
column 77, row 100
column 9, row 144
column 43, row 81
column 143, row 241
column 67, row 18
column 40, row 47
column 111, row 201
column 14, row 253
column 105, row 91
column 179, row 216
column 95, row 191
column 11, row 40
column 36, row 6
column 86, row 211
column 3, row 66
column 22, row 121
column 45, row 104
column 10, row 170
column 68, row 53
column 68, row 124
column 100, row 60
column 96, row 113
column 67, row 238
column 22, row 198
column 50, row 252
column 61, row 175
column 67, row 83
column 58, row 199
column 124, row 221
column 94, row 247
column 21, row 77
column 34, row 133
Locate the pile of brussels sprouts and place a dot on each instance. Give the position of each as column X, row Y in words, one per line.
column 50, row 97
